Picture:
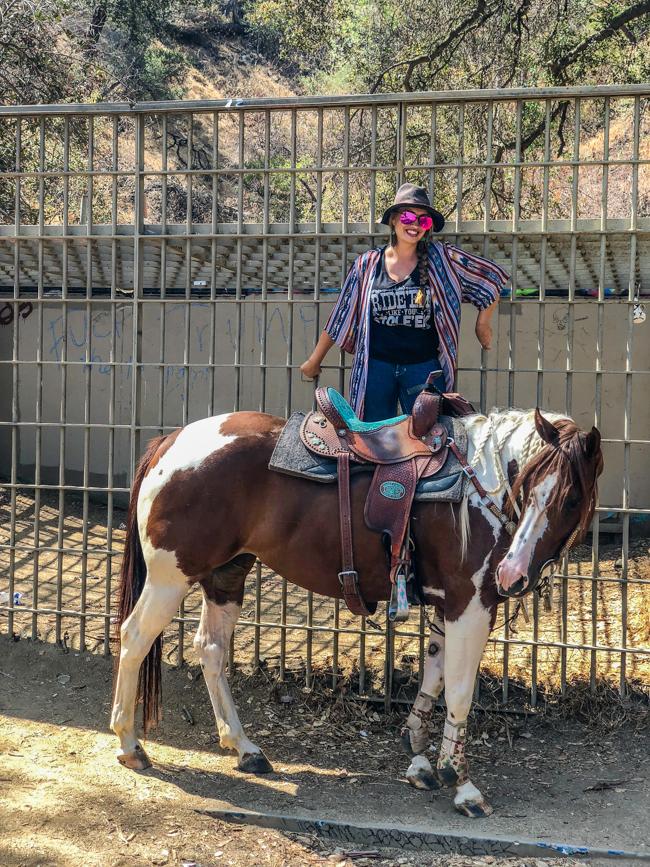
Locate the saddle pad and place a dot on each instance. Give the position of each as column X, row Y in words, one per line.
column 290, row 456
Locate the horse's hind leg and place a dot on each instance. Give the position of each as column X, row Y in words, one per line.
column 163, row 592
column 415, row 734
column 223, row 592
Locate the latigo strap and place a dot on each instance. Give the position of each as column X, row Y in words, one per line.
column 348, row 577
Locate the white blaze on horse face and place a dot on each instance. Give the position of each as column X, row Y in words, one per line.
column 191, row 447
column 531, row 528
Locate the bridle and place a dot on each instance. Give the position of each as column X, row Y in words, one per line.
column 547, row 571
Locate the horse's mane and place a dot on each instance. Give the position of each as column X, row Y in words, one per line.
column 536, row 460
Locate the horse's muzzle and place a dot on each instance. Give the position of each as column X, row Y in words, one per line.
column 516, row 590
column 526, row 584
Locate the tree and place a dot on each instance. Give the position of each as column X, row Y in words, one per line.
column 43, row 60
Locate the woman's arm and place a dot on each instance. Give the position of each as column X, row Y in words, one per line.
column 312, row 367
column 482, row 329
column 481, row 284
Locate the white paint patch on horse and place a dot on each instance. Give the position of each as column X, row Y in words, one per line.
column 530, row 530
column 433, row 591
column 211, row 641
column 192, row 446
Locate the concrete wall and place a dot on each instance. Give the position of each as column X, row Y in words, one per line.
column 175, row 386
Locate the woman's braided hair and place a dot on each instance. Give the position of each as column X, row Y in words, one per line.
column 423, row 263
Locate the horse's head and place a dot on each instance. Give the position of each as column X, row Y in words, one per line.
column 558, row 490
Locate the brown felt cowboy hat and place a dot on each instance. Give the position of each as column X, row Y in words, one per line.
column 411, row 194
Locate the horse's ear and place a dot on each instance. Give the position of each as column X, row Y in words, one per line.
column 546, row 429
column 592, row 443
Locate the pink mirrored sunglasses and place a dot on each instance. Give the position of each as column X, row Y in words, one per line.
column 408, row 217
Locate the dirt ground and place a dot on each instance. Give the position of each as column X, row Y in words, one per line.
column 66, row 801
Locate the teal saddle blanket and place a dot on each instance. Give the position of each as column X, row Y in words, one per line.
column 290, row 456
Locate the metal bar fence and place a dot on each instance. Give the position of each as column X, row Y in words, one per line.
column 168, row 261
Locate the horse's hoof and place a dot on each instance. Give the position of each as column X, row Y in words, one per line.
column 424, row 780
column 478, row 810
column 405, row 742
column 255, row 763
column 422, row 776
column 136, row 760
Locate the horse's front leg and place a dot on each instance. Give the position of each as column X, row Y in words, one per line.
column 415, row 733
column 466, row 638
column 211, row 642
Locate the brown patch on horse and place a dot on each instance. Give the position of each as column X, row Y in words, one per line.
column 437, row 553
column 226, row 583
column 568, row 448
column 252, row 424
column 165, row 443
column 513, row 471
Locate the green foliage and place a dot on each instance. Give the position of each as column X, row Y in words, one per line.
column 162, row 69
column 459, row 44
column 308, row 33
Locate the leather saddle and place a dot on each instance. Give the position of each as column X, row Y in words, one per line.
column 403, row 449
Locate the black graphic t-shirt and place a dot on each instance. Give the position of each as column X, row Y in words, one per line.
column 401, row 332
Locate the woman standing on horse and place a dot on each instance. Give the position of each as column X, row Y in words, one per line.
column 399, row 310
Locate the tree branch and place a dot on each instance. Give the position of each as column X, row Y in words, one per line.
column 480, row 14
column 614, row 25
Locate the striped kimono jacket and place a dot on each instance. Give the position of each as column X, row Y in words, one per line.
column 454, row 276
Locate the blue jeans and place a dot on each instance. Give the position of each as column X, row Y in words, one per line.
column 387, row 383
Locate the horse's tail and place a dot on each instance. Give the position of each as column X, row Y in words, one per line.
column 132, row 577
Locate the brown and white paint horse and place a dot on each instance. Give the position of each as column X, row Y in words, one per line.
column 204, row 505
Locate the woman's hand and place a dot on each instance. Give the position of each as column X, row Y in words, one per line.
column 311, row 368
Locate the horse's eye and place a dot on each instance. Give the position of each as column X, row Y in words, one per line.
column 573, row 503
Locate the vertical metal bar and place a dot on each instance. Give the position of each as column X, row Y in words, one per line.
column 163, row 277
column 213, row 264
column 389, row 662
column 627, row 431
column 487, row 205
column 39, row 383
column 87, row 379
column 187, row 320
column 310, row 637
column 569, row 379
column 400, row 145
column 110, row 480
column 432, row 152
column 187, row 323
column 64, row 378
column 258, row 614
column 543, row 253
column 317, row 288
column 541, row 319
column 238, row 290
column 459, row 172
column 135, row 369
column 373, row 172
column 15, row 406
column 511, row 351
